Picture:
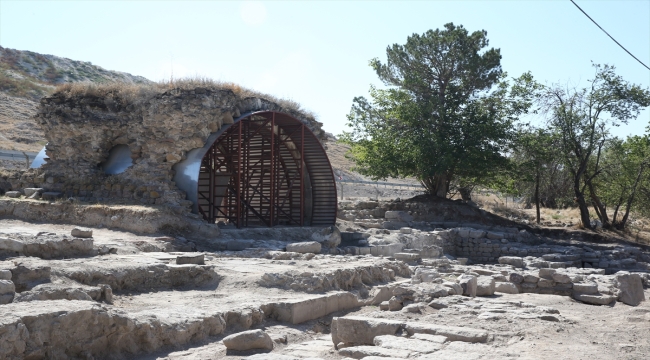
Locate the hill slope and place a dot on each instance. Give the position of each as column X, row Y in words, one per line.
column 25, row 77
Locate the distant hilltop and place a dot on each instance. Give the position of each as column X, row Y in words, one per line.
column 27, row 74
column 25, row 77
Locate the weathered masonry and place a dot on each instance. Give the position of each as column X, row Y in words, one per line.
column 246, row 161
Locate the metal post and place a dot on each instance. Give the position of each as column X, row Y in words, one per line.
column 272, row 195
column 302, row 175
column 238, row 188
column 211, row 185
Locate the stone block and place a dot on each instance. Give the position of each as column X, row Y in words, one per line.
column 454, row 288
column 403, row 343
column 81, row 232
column 51, row 195
column 386, row 250
column 190, row 259
column 7, row 244
column 585, row 288
column 13, row 194
column 452, row 333
column 5, row 275
column 31, row 191
column 395, row 304
column 494, row 235
column 506, row 288
column 247, row 340
column 406, row 230
column 407, row 257
column 516, row 278
column 361, row 330
column 529, row 278
column 561, row 278
column 430, row 252
column 546, row 273
column 365, row 352
column 469, row 284
column 514, row 261
column 424, row 275
column 7, row 291
column 329, row 237
column 485, row 286
column 306, row 247
column 528, row 287
column 476, row 234
column 630, row 288
column 393, row 225
column 26, row 278
column 400, row 216
column 545, row 283
column 595, row 299
column 301, row 310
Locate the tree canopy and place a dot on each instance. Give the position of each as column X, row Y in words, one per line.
column 582, row 118
column 447, row 111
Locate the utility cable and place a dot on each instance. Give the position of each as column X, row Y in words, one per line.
column 610, row 36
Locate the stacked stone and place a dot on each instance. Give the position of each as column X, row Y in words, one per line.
column 159, row 130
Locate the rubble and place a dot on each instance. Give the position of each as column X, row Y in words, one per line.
column 247, row 340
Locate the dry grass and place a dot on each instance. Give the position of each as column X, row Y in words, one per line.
column 18, row 131
column 637, row 230
column 140, row 93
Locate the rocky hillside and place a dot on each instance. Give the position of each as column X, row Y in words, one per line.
column 27, row 74
column 25, row 77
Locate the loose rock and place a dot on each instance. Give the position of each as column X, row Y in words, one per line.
column 247, row 340
column 82, row 232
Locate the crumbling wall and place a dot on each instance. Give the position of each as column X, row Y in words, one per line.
column 159, row 129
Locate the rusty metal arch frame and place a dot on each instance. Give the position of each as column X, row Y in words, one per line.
column 249, row 172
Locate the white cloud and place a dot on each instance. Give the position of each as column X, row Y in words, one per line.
column 253, row 13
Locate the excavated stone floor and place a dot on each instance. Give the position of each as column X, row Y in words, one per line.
column 119, row 295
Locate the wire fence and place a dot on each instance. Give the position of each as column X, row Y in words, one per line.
column 382, row 184
column 17, row 155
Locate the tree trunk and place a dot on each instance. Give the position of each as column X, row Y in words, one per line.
column 537, row 196
column 599, row 207
column 465, row 193
column 630, row 200
column 582, row 204
column 442, row 185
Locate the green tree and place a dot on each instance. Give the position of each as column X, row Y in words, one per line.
column 625, row 171
column 582, row 117
column 446, row 112
column 535, row 157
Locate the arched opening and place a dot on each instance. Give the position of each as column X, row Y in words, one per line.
column 119, row 159
column 265, row 169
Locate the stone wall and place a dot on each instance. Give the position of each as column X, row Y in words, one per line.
column 159, row 129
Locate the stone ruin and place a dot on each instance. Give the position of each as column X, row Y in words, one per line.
column 82, row 128
column 430, row 289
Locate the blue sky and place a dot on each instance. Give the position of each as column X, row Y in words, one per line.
column 317, row 53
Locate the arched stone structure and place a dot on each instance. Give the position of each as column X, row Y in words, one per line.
column 265, row 169
column 159, row 129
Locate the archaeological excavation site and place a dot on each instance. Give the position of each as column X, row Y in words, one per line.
column 205, row 222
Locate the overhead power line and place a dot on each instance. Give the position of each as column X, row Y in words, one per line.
column 610, row 36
